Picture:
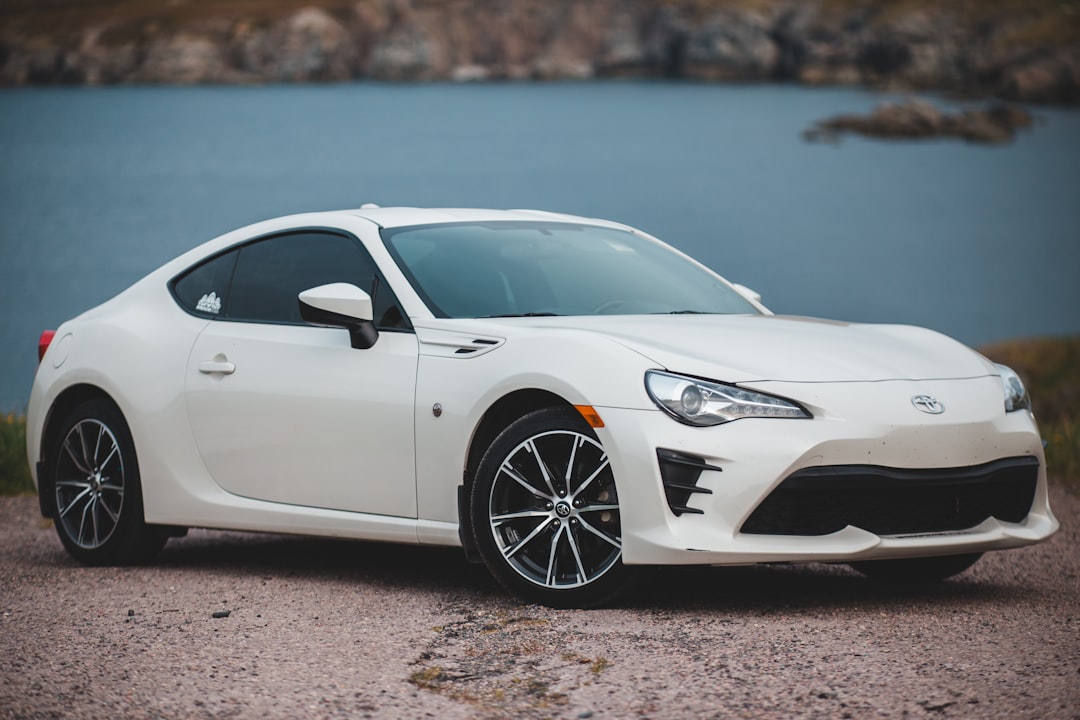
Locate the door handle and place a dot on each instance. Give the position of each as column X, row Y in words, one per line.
column 219, row 365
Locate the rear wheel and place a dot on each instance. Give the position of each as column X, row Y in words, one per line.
column 917, row 570
column 95, row 473
column 545, row 512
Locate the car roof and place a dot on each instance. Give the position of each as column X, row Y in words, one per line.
column 383, row 217
column 391, row 217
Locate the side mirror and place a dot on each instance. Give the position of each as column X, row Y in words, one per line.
column 341, row 305
column 747, row 293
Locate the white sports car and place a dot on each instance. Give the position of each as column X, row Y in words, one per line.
column 564, row 398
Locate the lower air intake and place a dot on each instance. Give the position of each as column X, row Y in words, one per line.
column 892, row 501
column 680, row 474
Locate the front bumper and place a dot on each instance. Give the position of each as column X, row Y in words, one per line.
column 854, row 424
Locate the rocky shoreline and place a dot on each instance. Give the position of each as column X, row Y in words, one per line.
column 1018, row 51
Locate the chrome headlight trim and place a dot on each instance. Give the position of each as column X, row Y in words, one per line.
column 704, row 403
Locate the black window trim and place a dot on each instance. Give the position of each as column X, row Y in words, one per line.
column 380, row 279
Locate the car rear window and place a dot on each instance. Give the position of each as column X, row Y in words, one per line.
column 203, row 289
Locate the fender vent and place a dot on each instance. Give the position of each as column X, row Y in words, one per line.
column 680, row 474
column 450, row 344
column 480, row 344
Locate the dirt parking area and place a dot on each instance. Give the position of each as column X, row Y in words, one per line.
column 319, row 628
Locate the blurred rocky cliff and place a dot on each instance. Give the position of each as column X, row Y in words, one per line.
column 1024, row 50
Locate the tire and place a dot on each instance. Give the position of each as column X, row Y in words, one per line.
column 916, row 570
column 95, row 479
column 545, row 512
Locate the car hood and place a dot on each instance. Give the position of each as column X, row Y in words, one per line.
column 747, row 348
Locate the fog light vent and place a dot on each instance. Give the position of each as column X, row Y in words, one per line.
column 680, row 473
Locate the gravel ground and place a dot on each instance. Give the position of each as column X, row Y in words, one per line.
column 323, row 628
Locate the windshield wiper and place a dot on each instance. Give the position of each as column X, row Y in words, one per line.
column 528, row 314
column 685, row 312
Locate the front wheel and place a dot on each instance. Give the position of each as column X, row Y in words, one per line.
column 916, row 570
column 545, row 512
column 95, row 474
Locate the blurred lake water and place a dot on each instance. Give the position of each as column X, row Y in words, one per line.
column 100, row 186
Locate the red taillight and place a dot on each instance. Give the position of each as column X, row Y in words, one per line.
column 43, row 343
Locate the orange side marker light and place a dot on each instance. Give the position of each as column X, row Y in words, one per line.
column 591, row 416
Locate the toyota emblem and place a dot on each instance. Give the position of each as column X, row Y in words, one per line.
column 928, row 404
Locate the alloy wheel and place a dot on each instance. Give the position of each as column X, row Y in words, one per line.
column 554, row 512
column 90, row 484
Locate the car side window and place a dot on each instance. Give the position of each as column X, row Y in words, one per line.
column 270, row 273
column 202, row 290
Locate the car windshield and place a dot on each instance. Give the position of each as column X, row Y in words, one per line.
column 514, row 269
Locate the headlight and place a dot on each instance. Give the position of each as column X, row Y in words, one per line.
column 703, row 403
column 1016, row 397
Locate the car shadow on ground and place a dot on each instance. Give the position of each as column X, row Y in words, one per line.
column 444, row 572
column 763, row 589
column 324, row 559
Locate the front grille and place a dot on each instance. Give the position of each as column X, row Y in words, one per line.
column 892, row 501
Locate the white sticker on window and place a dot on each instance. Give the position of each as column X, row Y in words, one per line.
column 209, row 303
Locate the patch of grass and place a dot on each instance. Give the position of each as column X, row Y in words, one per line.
column 501, row 621
column 1050, row 29
column 599, row 665
column 1023, row 23
column 1050, row 368
column 538, row 689
column 428, row 678
column 1063, row 451
column 14, row 470
column 530, row 647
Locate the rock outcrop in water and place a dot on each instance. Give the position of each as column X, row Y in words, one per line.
column 994, row 124
column 1023, row 50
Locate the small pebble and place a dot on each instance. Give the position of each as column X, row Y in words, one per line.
column 222, row 613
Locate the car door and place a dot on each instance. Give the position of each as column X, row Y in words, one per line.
column 290, row 413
